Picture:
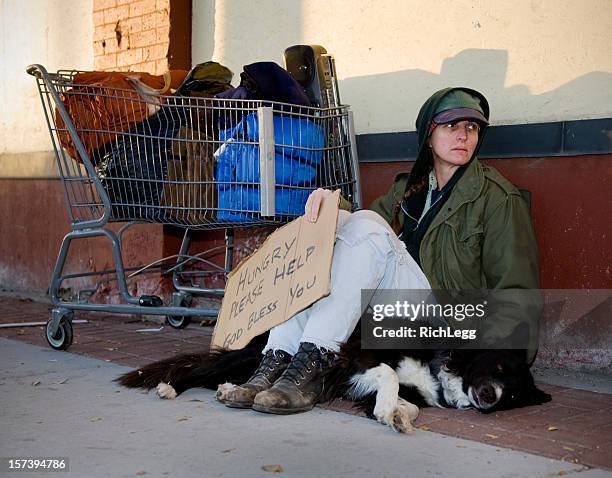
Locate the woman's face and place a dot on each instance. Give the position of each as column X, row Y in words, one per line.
column 453, row 144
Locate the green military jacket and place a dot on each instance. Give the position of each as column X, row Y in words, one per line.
column 481, row 239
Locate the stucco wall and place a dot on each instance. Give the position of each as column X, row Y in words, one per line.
column 55, row 33
column 536, row 60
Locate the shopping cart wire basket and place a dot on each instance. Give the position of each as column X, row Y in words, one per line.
column 133, row 155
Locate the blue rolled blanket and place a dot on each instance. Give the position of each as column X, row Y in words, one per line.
column 298, row 150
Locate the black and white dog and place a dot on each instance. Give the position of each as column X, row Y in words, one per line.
column 387, row 385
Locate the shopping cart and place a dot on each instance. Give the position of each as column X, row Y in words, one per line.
column 191, row 162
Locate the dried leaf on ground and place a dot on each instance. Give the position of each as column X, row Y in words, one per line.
column 273, row 468
column 491, row 436
column 35, row 383
column 183, row 418
column 552, row 429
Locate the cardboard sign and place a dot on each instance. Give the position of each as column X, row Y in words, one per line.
column 290, row 271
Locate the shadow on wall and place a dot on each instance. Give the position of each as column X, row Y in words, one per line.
column 389, row 102
column 392, row 99
column 203, row 37
column 215, row 38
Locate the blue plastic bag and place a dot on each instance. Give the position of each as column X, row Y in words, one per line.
column 242, row 204
column 299, row 148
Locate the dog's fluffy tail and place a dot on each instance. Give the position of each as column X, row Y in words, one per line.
column 168, row 370
column 206, row 369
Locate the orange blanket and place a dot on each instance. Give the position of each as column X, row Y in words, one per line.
column 103, row 105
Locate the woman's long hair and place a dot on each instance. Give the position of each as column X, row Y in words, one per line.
column 419, row 175
column 418, row 182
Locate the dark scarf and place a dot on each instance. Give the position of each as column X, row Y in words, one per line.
column 413, row 231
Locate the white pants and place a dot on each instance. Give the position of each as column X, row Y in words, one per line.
column 367, row 255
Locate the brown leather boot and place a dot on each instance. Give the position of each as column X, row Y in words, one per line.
column 301, row 384
column 270, row 368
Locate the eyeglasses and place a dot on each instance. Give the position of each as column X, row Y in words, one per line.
column 470, row 127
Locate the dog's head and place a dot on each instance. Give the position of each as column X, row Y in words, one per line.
column 498, row 380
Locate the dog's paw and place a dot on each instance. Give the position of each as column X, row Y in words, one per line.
column 404, row 416
column 223, row 391
column 398, row 416
column 166, row 391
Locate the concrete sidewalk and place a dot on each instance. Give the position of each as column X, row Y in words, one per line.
column 65, row 405
column 576, row 427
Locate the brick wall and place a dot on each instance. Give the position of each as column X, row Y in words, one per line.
column 142, row 35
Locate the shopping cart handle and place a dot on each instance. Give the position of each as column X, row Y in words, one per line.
column 35, row 70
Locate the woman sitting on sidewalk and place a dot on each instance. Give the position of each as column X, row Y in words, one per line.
column 451, row 223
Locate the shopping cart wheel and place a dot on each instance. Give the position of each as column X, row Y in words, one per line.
column 179, row 299
column 62, row 339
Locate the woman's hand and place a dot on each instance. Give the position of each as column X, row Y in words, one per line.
column 313, row 203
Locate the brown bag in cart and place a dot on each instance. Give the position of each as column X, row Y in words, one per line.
column 189, row 185
column 102, row 105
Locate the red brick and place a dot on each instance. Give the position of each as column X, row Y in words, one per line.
column 84, row 340
column 143, row 39
column 137, row 67
column 575, row 436
column 162, row 5
column 103, row 4
column 106, row 47
column 98, row 18
column 106, row 62
column 546, row 415
column 98, row 49
column 163, row 33
column 113, row 15
column 154, row 19
column 597, row 457
column 161, row 66
column 155, row 52
column 132, row 25
column 104, row 32
column 129, row 57
column 141, row 7
column 584, row 399
column 588, row 423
